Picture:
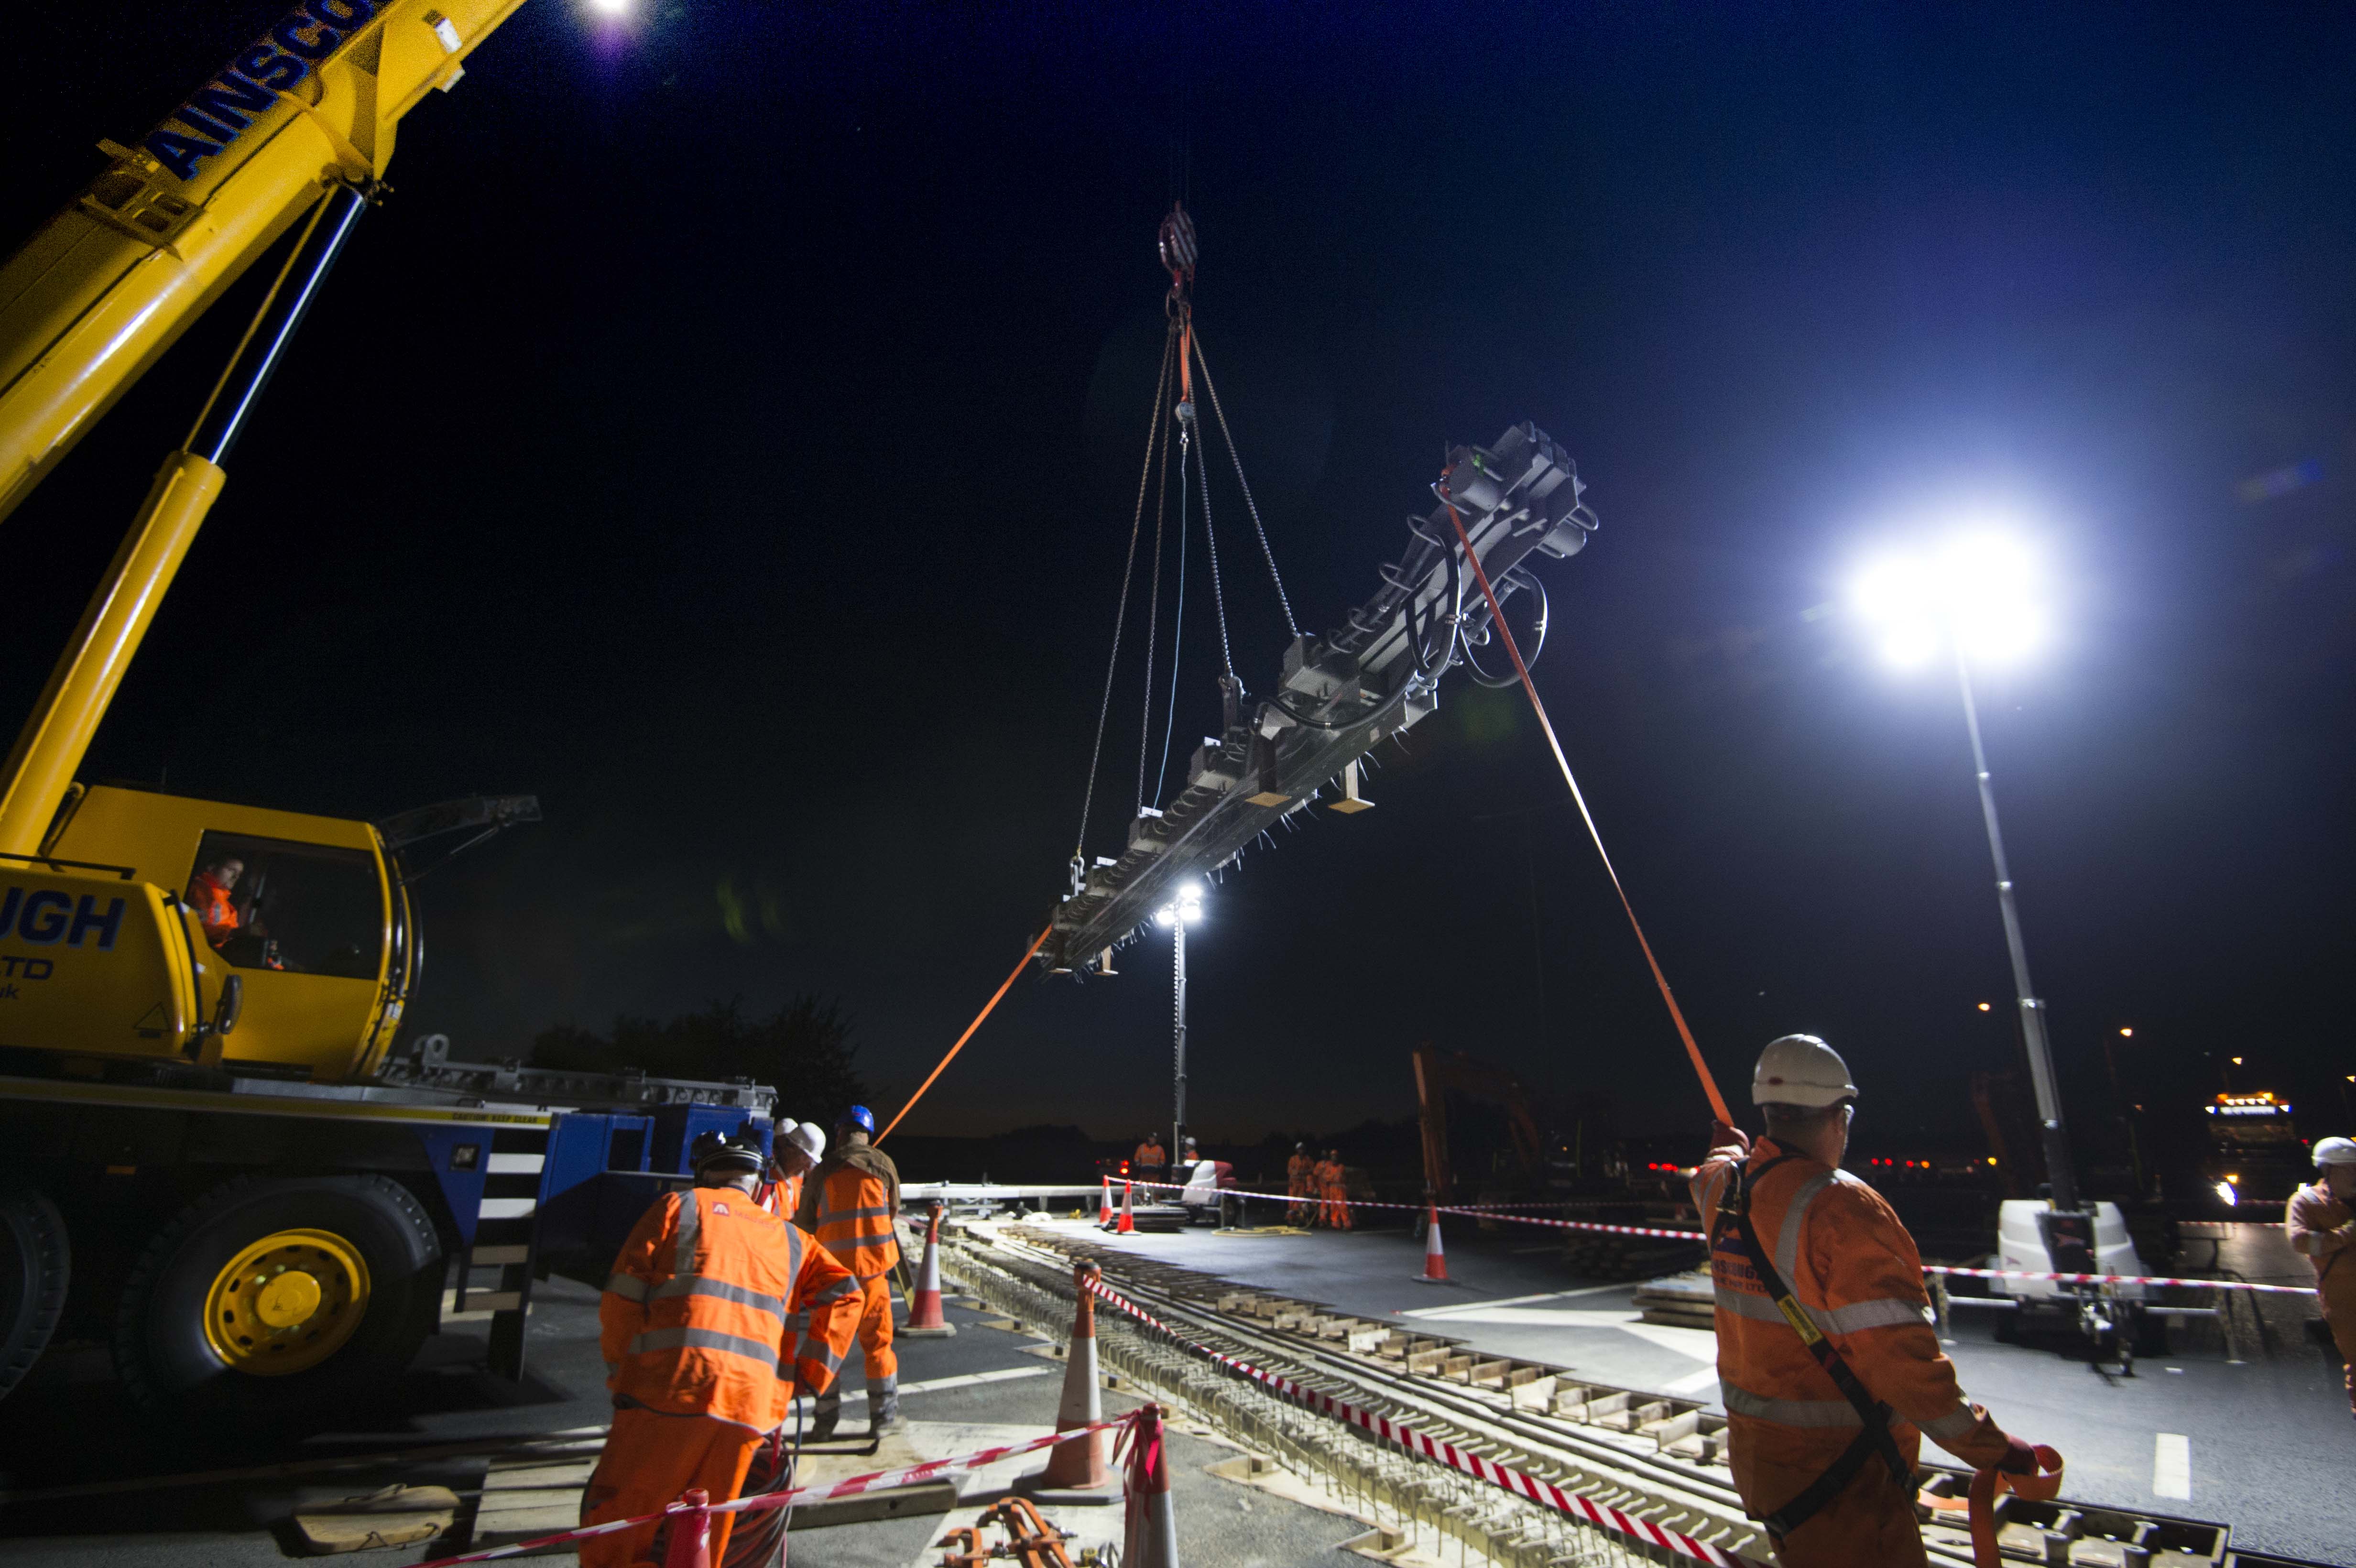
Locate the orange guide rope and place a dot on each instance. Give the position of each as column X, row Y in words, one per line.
column 1497, row 619
column 2043, row 1486
column 986, row 1008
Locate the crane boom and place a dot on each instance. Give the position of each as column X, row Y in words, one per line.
column 1341, row 694
column 94, row 298
column 300, row 121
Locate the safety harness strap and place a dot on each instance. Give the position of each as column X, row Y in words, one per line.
column 1734, row 1215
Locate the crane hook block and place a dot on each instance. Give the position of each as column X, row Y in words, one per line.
column 1177, row 240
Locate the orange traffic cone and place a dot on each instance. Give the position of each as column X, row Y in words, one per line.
column 1151, row 1538
column 1104, row 1204
column 1076, row 1471
column 924, row 1318
column 1435, row 1260
column 691, row 1533
column 1128, row 1220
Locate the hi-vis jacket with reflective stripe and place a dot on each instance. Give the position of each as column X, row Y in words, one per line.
column 1843, row 1252
column 852, row 1200
column 716, row 1305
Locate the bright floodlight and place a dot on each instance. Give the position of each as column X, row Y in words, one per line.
column 1980, row 590
column 1186, row 906
column 612, row 8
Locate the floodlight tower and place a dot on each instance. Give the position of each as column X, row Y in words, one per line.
column 1980, row 596
column 1174, row 917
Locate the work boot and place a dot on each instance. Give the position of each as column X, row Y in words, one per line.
column 883, row 1407
column 826, row 1415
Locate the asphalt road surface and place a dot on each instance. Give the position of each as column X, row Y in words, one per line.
column 980, row 1388
column 2264, row 1444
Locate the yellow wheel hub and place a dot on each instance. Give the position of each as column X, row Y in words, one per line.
column 287, row 1303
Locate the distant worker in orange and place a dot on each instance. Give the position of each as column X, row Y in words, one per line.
column 1320, row 1183
column 700, row 1358
column 209, row 892
column 1150, row 1156
column 850, row 1203
column 1300, row 1185
column 1824, row 1431
column 2317, row 1219
column 1337, row 1188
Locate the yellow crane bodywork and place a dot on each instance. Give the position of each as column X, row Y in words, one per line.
column 104, row 958
column 96, row 296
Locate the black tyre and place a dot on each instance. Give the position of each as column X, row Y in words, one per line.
column 280, row 1304
column 35, row 1264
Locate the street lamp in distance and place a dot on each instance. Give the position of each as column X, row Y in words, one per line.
column 1184, row 909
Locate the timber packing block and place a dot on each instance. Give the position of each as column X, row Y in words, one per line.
column 397, row 1516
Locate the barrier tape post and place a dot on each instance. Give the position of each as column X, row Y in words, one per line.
column 691, row 1531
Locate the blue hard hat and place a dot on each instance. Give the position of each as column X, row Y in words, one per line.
column 858, row 1116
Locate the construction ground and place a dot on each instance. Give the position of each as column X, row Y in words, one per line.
column 2216, row 1432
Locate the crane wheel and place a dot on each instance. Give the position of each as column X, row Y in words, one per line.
column 35, row 1264
column 276, row 1305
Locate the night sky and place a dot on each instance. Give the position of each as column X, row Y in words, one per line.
column 729, row 430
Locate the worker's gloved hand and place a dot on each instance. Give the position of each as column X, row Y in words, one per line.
column 2019, row 1458
column 1724, row 1136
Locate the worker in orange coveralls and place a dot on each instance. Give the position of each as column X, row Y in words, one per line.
column 2318, row 1222
column 798, row 1151
column 1300, row 1185
column 700, row 1354
column 1146, row 1163
column 1824, row 1434
column 1337, row 1190
column 850, row 1205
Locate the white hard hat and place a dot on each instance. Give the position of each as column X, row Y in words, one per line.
column 2335, row 1151
column 1800, row 1070
column 810, row 1139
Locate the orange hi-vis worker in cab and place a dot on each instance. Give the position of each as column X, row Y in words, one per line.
column 849, row 1205
column 1828, row 1359
column 715, row 1312
column 1337, row 1190
column 1300, row 1185
column 208, row 891
column 2318, row 1220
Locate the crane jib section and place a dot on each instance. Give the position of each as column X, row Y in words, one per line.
column 1339, row 695
column 93, row 297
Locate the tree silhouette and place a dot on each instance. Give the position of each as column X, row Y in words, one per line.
column 803, row 1050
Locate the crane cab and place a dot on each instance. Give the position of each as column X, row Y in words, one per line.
column 306, row 912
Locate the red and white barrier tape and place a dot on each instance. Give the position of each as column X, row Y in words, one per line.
column 1700, row 1236
column 881, row 1480
column 2120, row 1279
column 1526, row 1487
column 1478, row 1213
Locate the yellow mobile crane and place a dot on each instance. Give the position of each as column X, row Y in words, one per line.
column 205, row 1154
